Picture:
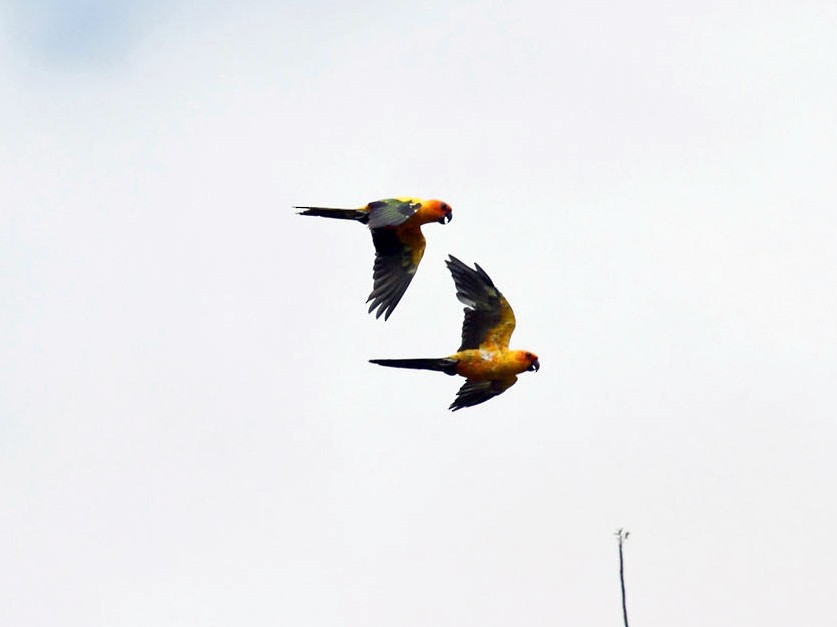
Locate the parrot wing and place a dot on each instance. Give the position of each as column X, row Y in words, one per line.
column 474, row 392
column 391, row 212
column 397, row 255
column 489, row 320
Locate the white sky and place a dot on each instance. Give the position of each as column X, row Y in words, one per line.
column 190, row 433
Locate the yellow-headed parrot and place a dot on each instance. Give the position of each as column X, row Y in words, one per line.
column 399, row 244
column 484, row 358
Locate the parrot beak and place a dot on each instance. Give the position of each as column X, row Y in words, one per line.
column 445, row 218
column 534, row 366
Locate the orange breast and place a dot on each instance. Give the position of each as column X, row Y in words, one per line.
column 410, row 235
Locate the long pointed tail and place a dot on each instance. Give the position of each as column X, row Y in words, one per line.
column 341, row 214
column 441, row 364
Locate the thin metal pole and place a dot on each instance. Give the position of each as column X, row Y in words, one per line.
column 621, row 537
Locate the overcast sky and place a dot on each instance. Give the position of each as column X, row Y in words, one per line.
column 190, row 432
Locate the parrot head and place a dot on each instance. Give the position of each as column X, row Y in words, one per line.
column 524, row 361
column 534, row 364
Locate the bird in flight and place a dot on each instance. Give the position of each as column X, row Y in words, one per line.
column 399, row 244
column 484, row 359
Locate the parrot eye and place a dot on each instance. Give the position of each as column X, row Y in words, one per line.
column 447, row 214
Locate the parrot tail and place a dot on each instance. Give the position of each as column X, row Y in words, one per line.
column 442, row 364
column 341, row 214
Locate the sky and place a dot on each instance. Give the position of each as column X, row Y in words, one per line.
column 190, row 430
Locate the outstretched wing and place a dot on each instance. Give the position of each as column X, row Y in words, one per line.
column 397, row 255
column 474, row 392
column 391, row 211
column 489, row 320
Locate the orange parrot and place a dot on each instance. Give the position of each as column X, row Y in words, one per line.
column 484, row 358
column 399, row 244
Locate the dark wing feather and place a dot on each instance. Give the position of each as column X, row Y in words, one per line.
column 392, row 273
column 474, row 392
column 390, row 212
column 489, row 320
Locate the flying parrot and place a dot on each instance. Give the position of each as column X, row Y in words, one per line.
column 484, row 359
column 399, row 244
